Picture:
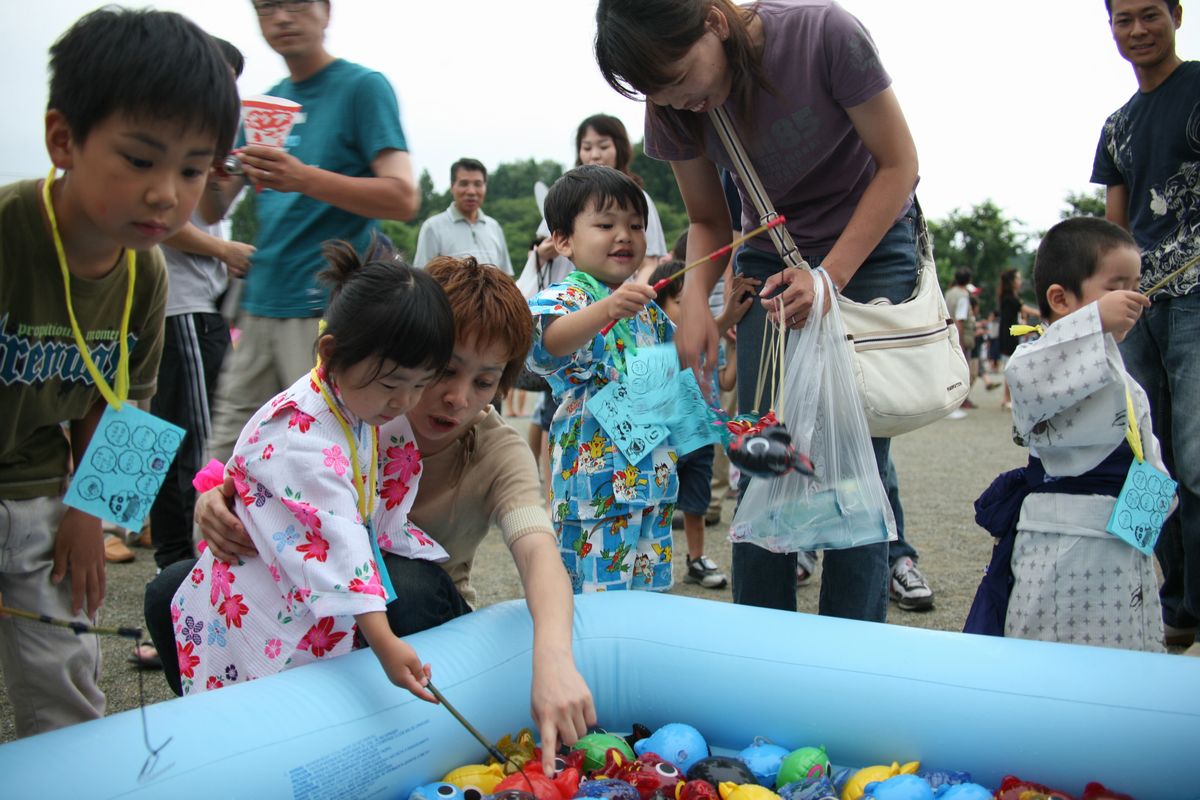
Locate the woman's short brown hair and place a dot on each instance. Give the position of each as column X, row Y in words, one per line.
column 488, row 308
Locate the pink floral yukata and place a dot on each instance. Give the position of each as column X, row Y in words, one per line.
column 316, row 570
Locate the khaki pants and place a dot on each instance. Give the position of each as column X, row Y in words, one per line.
column 50, row 673
column 270, row 355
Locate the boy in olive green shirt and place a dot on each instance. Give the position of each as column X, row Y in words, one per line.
column 141, row 103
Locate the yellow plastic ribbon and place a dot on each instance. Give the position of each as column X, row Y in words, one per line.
column 366, row 499
column 1132, row 435
column 1025, row 330
column 114, row 397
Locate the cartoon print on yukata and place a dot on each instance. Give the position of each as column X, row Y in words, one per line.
column 592, row 452
column 626, row 482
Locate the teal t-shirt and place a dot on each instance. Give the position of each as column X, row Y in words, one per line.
column 348, row 116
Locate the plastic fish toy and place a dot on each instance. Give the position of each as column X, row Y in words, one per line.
column 596, row 745
column 437, row 791
column 607, row 789
column 768, row 453
column 806, row 762
column 962, row 791
column 901, row 787
column 857, row 785
column 720, row 769
column 764, row 759
column 517, row 749
column 676, row 742
column 810, row 789
column 480, row 777
column 747, row 791
column 648, row 773
column 696, row 790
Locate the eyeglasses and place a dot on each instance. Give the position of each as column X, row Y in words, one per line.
column 267, row 8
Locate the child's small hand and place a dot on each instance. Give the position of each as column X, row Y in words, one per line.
column 738, row 302
column 628, row 300
column 404, row 668
column 1119, row 311
column 79, row 553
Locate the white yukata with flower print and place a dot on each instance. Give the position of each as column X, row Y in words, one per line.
column 316, row 568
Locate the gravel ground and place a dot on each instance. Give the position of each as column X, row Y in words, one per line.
column 942, row 469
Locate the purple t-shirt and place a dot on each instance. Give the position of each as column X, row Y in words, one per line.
column 820, row 61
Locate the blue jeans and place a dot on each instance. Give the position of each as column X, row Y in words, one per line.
column 855, row 581
column 1160, row 353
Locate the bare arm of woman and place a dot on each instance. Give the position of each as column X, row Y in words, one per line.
column 709, row 229
column 560, row 701
column 880, row 124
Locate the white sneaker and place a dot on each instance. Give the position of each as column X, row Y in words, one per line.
column 957, row 413
column 704, row 571
column 909, row 589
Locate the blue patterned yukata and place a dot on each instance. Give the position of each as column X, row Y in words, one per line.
column 612, row 516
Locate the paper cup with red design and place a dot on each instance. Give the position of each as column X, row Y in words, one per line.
column 268, row 120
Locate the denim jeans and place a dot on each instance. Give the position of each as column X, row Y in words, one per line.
column 855, row 580
column 1160, row 353
column 425, row 598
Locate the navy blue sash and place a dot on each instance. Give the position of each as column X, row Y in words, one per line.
column 997, row 511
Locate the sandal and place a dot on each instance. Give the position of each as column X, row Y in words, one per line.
column 144, row 656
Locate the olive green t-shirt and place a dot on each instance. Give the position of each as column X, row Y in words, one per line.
column 43, row 380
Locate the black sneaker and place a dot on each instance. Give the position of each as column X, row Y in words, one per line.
column 704, row 571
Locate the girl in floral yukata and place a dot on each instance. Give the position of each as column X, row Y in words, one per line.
column 321, row 494
column 612, row 514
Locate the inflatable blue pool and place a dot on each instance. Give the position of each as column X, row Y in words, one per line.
column 1058, row 714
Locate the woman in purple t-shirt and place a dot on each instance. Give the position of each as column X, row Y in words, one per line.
column 813, row 106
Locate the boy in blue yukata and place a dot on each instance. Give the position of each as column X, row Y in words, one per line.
column 612, row 514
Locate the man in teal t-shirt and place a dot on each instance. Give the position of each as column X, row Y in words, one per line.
column 345, row 165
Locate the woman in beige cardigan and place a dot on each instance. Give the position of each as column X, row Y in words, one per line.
column 476, row 471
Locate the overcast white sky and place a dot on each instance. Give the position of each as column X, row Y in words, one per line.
column 1005, row 99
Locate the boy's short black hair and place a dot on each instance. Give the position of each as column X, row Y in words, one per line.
column 151, row 65
column 470, row 165
column 1070, row 252
column 1171, row 4
column 600, row 185
column 673, row 289
column 233, row 57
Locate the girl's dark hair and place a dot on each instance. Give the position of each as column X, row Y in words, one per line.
column 1070, row 252
column 601, row 185
column 613, row 128
column 383, row 308
column 147, row 65
column 639, row 42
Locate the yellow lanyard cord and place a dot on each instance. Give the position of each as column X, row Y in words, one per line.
column 1132, row 435
column 366, row 499
column 115, row 398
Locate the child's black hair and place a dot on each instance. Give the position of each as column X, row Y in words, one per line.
column 673, row 289
column 1070, row 252
column 602, row 186
column 383, row 308
column 148, row 65
column 233, row 57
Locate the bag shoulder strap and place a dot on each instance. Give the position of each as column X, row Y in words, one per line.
column 780, row 237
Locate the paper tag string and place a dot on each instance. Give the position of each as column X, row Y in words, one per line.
column 114, row 397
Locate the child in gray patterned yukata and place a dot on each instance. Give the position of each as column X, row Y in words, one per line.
column 1073, row 581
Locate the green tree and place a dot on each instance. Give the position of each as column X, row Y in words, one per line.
column 1084, row 204
column 984, row 239
column 658, row 179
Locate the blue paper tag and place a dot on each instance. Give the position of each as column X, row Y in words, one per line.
column 613, row 409
column 651, row 380
column 1142, row 506
column 691, row 424
column 123, row 468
